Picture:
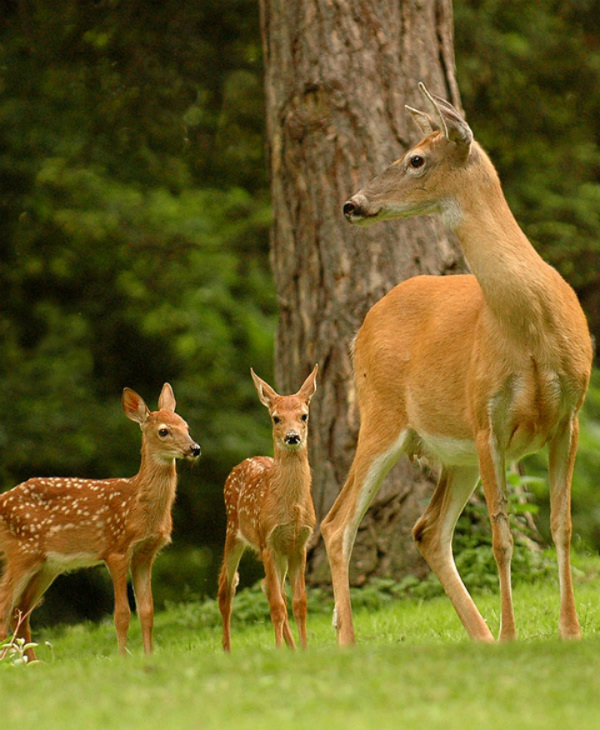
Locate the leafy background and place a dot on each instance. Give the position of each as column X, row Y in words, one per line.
column 134, row 218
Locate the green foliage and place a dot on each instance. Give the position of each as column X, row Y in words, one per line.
column 529, row 75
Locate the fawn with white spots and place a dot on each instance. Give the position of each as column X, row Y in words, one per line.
column 270, row 509
column 49, row 526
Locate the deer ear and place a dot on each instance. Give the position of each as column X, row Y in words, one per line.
column 459, row 131
column 166, row 399
column 266, row 394
column 423, row 121
column 309, row 386
column 134, row 406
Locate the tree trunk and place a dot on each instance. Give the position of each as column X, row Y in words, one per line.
column 337, row 76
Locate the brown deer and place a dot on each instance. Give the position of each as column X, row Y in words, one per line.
column 49, row 526
column 269, row 508
column 466, row 371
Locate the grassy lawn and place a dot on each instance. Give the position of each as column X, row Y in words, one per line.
column 413, row 668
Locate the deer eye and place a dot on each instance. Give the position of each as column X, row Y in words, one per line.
column 163, row 432
column 276, row 419
column 304, row 417
column 417, row 161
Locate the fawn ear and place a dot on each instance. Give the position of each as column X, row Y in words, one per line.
column 134, row 406
column 166, row 399
column 309, row 386
column 266, row 394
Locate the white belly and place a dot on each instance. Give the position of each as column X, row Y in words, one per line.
column 450, row 451
column 62, row 563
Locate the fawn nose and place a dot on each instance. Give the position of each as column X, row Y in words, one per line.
column 292, row 438
column 196, row 450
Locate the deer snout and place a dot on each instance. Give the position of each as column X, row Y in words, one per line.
column 195, row 450
column 356, row 209
column 351, row 208
column 292, row 438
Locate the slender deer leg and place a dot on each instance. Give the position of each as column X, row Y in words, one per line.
column 30, row 597
column 433, row 534
column 13, row 583
column 562, row 450
column 299, row 602
column 372, row 462
column 141, row 576
column 228, row 580
column 118, row 566
column 273, row 583
column 493, row 478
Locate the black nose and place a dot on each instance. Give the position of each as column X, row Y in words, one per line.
column 349, row 208
column 196, row 450
column 292, row 438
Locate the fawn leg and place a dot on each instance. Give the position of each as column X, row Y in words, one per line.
column 274, row 576
column 141, row 576
column 118, row 565
column 299, row 602
column 228, row 580
column 30, row 598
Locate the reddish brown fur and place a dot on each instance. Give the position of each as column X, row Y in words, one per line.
column 52, row 525
column 270, row 509
column 466, row 371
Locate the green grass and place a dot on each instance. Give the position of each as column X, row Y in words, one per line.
column 412, row 668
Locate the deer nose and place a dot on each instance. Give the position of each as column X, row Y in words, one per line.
column 292, row 438
column 196, row 450
column 350, row 208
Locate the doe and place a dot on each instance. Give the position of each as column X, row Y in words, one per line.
column 49, row 526
column 270, row 509
column 467, row 371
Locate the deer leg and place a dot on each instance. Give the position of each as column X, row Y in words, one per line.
column 14, row 582
column 299, row 602
column 562, row 450
column 228, row 580
column 493, row 478
column 274, row 575
column 30, row 598
column 372, row 462
column 118, row 566
column 433, row 535
column 141, row 576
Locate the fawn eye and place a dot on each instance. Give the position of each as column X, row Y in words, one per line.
column 163, row 432
column 417, row 161
column 276, row 419
column 304, row 417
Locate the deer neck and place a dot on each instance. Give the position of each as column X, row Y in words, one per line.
column 516, row 282
column 155, row 485
column 290, row 476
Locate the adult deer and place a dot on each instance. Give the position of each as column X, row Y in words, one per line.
column 466, row 371
column 270, row 509
column 49, row 526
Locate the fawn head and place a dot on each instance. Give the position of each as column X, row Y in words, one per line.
column 165, row 433
column 427, row 178
column 289, row 413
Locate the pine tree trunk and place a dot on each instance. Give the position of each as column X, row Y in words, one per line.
column 337, row 77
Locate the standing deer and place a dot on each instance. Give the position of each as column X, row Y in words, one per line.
column 269, row 508
column 49, row 526
column 467, row 371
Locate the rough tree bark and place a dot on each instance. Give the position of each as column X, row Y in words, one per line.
column 337, row 76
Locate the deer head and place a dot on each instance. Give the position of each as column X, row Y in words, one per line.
column 165, row 433
column 427, row 178
column 289, row 413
